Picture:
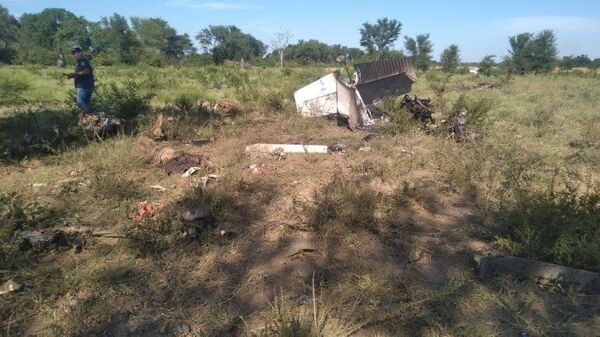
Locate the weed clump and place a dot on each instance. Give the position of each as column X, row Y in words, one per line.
column 12, row 89
column 17, row 215
column 561, row 226
column 477, row 112
column 347, row 203
column 124, row 100
column 400, row 121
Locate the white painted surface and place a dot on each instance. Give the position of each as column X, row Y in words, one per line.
column 287, row 148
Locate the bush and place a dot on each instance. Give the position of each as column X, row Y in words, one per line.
column 477, row 112
column 557, row 226
column 12, row 89
column 272, row 100
column 400, row 120
column 123, row 100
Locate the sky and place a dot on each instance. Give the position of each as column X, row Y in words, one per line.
column 479, row 28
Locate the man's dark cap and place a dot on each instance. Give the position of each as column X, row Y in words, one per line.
column 75, row 50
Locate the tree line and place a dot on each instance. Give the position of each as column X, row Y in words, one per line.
column 45, row 38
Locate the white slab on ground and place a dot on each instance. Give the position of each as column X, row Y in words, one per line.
column 287, row 148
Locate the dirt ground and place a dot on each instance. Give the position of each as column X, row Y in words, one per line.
column 412, row 273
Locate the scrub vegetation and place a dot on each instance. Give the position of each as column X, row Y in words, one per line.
column 396, row 220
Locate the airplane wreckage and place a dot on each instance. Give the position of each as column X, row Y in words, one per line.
column 371, row 82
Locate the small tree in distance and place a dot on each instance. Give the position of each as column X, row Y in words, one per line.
column 280, row 43
column 379, row 37
column 450, row 58
column 420, row 49
column 486, row 65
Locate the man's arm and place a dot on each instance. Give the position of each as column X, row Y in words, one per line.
column 78, row 73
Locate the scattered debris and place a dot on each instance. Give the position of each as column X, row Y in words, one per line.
column 157, row 132
column 286, row 148
column 198, row 219
column 42, row 240
column 145, row 210
column 201, row 142
column 253, row 169
column 9, row 287
column 484, row 85
column 419, row 108
column 39, row 185
column 403, row 151
column 336, row 148
column 586, row 281
column 223, row 107
column 195, row 214
column 227, row 234
column 458, row 125
column 192, row 170
column 204, row 180
column 300, row 245
column 228, row 107
column 100, row 124
column 174, row 161
column 365, row 149
column 159, row 188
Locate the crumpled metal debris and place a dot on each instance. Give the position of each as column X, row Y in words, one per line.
column 458, row 124
column 419, row 108
column 100, row 124
column 42, row 239
column 331, row 94
column 174, row 161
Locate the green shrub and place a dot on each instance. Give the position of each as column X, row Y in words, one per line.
column 477, row 112
column 557, row 226
column 272, row 100
column 124, row 100
column 12, row 89
column 400, row 121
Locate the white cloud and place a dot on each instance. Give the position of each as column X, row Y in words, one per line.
column 537, row 23
column 210, row 5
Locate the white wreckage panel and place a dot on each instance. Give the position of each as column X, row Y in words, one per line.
column 330, row 95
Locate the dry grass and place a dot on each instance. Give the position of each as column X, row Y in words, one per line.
column 394, row 232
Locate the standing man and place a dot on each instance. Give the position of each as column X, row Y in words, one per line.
column 84, row 81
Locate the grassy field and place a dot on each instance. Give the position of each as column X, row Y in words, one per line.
column 396, row 220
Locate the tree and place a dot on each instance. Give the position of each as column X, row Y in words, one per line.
column 379, row 37
column 535, row 53
column 280, row 43
column 9, row 27
column 582, row 61
column 230, row 43
column 311, row 51
column 113, row 39
column 450, row 58
column 156, row 34
column 544, row 52
column 44, row 34
column 567, row 63
column 420, row 49
column 486, row 65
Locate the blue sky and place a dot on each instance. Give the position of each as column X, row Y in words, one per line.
column 478, row 27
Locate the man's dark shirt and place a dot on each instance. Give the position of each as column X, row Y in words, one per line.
column 84, row 81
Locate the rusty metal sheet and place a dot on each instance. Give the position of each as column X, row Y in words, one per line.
column 373, row 71
column 376, row 80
